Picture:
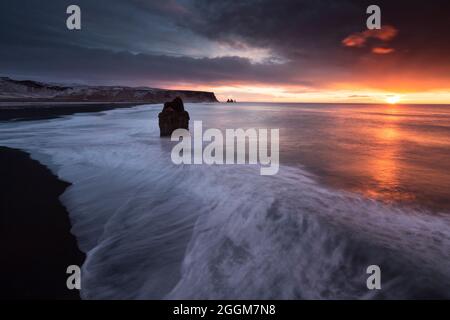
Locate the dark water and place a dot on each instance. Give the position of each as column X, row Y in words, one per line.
column 357, row 186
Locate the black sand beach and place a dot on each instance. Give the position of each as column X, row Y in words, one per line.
column 37, row 111
column 35, row 238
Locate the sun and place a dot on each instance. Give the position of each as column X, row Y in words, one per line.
column 393, row 99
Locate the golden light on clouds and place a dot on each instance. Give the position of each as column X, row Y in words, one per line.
column 359, row 39
column 382, row 50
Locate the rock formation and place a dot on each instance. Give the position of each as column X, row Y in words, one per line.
column 172, row 117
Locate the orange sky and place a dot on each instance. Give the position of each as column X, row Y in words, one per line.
column 342, row 93
column 369, row 67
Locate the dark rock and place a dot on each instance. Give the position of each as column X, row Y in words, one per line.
column 172, row 117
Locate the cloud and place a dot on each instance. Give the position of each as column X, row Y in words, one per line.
column 90, row 65
column 382, row 50
column 208, row 42
column 358, row 96
column 359, row 39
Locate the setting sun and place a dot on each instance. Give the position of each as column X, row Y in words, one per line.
column 393, row 99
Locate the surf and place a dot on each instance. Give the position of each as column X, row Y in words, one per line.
column 155, row 230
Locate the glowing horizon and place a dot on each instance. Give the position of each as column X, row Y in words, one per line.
column 254, row 93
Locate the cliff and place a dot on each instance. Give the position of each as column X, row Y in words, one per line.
column 33, row 91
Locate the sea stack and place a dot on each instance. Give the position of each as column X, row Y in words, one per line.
column 172, row 117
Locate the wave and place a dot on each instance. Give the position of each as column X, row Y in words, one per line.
column 291, row 239
column 153, row 230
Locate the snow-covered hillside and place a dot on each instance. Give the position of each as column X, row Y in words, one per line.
column 27, row 90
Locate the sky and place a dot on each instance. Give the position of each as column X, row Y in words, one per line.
column 250, row 50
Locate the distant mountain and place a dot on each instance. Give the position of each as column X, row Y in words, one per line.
column 34, row 91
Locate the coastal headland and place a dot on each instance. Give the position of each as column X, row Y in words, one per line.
column 30, row 100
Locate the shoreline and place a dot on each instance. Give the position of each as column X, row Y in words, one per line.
column 36, row 243
column 49, row 110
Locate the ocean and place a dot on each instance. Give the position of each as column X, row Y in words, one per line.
column 358, row 185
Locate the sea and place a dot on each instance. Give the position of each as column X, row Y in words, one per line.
column 358, row 185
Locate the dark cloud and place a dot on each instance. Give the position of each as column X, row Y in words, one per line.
column 212, row 42
column 295, row 26
column 108, row 67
